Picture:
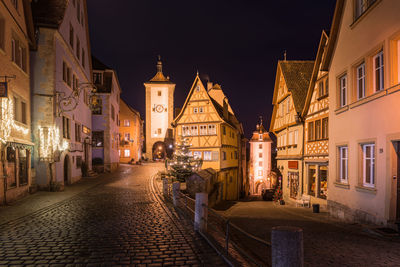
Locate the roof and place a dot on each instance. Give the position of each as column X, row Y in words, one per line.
column 98, row 65
column 260, row 130
column 205, row 174
column 49, row 13
column 297, row 75
column 130, row 108
column 159, row 77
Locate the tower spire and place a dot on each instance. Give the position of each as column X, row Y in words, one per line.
column 159, row 64
column 284, row 55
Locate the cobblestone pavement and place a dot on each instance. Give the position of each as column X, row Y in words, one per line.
column 327, row 242
column 117, row 222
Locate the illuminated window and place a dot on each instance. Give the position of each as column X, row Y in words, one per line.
column 197, row 154
column 343, row 163
column 260, row 163
column 324, row 128
column 378, row 71
column 260, row 146
column 127, row 137
column 317, row 129
column 207, row 155
column 185, row 131
column 311, row 131
column 127, row 153
column 201, row 109
column 343, row 90
column 368, row 164
column 361, row 81
column 212, row 129
column 260, row 155
column 203, row 129
column 194, row 130
column 260, row 172
column 66, row 128
column 195, row 110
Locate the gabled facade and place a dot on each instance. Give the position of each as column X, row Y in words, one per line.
column 131, row 134
column 62, row 62
column 316, row 119
column 260, row 161
column 364, row 129
column 16, row 38
column 159, row 115
column 215, row 136
column 105, row 117
column 291, row 84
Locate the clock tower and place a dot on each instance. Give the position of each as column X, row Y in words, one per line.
column 159, row 113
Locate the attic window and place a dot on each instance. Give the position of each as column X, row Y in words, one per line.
column 159, row 93
column 198, row 88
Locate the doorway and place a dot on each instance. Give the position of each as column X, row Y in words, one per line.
column 66, row 169
column 294, row 184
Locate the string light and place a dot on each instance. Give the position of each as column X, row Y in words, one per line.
column 7, row 121
column 51, row 143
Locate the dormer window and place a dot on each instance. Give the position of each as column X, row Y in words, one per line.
column 361, row 6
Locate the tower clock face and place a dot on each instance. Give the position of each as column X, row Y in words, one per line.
column 159, row 108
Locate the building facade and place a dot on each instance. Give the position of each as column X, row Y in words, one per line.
column 159, row 115
column 316, row 119
column 16, row 38
column 260, row 176
column 105, row 118
column 291, row 84
column 131, row 134
column 61, row 121
column 215, row 135
column 364, row 90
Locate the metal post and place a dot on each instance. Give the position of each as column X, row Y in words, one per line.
column 201, row 212
column 287, row 246
column 165, row 187
column 176, row 186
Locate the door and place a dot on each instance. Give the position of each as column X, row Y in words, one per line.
column 66, row 167
column 398, row 182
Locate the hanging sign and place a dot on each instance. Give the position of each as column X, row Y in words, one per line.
column 3, row 89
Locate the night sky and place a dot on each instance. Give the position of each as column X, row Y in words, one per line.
column 236, row 43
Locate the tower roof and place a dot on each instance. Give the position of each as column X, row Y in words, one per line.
column 260, row 130
column 159, row 77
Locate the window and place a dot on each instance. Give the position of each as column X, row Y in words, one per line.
column 201, row 109
column 77, row 132
column 18, row 53
column 260, row 155
column 311, row 131
column 66, row 128
column 127, row 153
column 127, row 123
column 203, row 129
column 296, row 137
column 291, row 138
column 195, row 110
column 260, row 137
column 260, row 146
column 83, row 57
column 207, row 155
column 78, row 10
column 361, row 6
column 159, row 131
column 260, row 173
column 78, row 48
column 223, row 155
column 236, row 155
column 322, row 182
column 159, row 93
column 212, row 129
column 312, row 177
column 98, row 108
column 223, row 130
column 260, row 163
column 2, row 32
column 343, row 163
column 321, row 88
column 343, row 90
column 282, row 108
column 194, row 130
column 198, row 88
column 98, row 139
column 13, row 50
column 127, row 137
column 78, row 162
column 288, row 105
column 98, row 78
column 324, row 128
column 368, row 163
column 197, row 154
column 361, row 81
column 71, row 36
column 317, row 129
column 112, row 113
column 185, row 131
column 378, row 71
column 15, row 4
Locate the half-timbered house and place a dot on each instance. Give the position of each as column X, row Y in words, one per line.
column 215, row 135
column 291, row 84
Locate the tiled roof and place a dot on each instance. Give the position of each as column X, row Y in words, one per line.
column 98, row 65
column 297, row 76
column 48, row 13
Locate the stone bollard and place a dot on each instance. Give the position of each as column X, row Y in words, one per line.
column 200, row 212
column 176, row 186
column 287, row 246
column 165, row 187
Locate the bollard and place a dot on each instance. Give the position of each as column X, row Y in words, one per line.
column 200, row 212
column 287, row 246
column 176, row 186
column 165, row 187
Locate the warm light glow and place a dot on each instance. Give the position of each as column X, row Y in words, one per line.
column 51, row 142
column 7, row 121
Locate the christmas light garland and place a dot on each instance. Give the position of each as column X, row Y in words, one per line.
column 51, row 142
column 7, row 121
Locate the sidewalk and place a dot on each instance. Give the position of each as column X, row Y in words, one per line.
column 327, row 242
column 43, row 199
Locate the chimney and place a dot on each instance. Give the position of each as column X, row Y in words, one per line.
column 209, row 86
column 226, row 113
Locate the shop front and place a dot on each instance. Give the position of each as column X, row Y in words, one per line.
column 317, row 181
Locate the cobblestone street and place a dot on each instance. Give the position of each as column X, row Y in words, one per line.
column 116, row 222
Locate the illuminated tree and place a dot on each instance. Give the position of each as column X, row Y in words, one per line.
column 183, row 163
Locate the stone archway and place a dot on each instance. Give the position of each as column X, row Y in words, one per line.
column 159, row 151
column 259, row 186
